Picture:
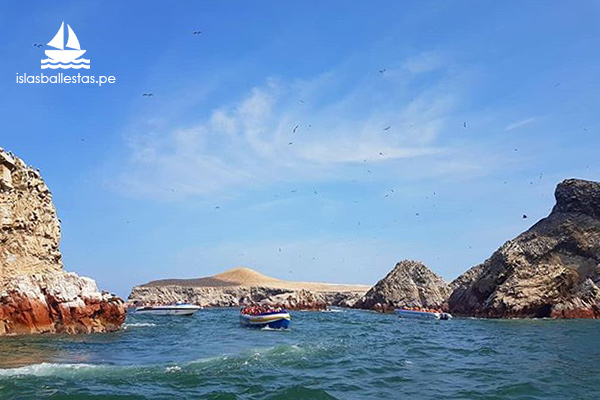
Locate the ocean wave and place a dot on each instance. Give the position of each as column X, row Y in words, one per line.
column 290, row 354
column 46, row 369
column 66, row 66
column 79, row 61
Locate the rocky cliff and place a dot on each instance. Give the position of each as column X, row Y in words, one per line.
column 409, row 284
column 243, row 286
column 551, row 270
column 36, row 294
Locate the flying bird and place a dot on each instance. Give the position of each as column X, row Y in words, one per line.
column 290, row 143
column 217, row 207
column 197, row 32
column 295, row 128
column 387, row 128
column 381, row 71
column 148, row 94
column 37, row 45
column 464, row 124
column 524, row 216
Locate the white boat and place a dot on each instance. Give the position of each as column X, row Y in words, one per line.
column 410, row 314
column 63, row 55
column 173, row 309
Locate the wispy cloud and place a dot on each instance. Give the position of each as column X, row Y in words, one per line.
column 303, row 129
column 520, row 123
column 425, row 62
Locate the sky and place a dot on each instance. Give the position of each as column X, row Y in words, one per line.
column 316, row 141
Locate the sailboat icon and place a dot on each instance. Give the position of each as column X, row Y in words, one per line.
column 67, row 56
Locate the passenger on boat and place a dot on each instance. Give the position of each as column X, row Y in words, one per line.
column 422, row 309
column 260, row 309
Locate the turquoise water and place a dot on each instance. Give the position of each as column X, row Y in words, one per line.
column 326, row 355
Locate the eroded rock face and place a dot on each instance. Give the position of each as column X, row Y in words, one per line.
column 36, row 294
column 30, row 229
column 239, row 296
column 551, row 270
column 409, row 284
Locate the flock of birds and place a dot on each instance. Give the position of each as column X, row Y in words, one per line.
column 391, row 192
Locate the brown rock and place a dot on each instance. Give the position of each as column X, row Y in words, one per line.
column 36, row 294
column 409, row 284
column 300, row 300
column 551, row 270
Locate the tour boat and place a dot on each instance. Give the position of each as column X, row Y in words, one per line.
column 173, row 309
column 274, row 320
column 404, row 313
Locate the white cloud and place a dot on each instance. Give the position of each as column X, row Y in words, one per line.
column 303, row 129
column 520, row 124
column 425, row 62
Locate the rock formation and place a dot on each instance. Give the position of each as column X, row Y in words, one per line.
column 36, row 294
column 551, row 270
column 243, row 286
column 409, row 284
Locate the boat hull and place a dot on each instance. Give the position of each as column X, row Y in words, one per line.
column 273, row 321
column 411, row 314
column 164, row 310
column 64, row 56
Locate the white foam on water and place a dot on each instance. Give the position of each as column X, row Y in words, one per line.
column 267, row 328
column 46, row 369
column 173, row 368
column 138, row 325
column 208, row 360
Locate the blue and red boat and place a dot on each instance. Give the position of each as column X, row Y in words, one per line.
column 265, row 317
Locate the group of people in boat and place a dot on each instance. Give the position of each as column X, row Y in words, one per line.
column 422, row 309
column 261, row 309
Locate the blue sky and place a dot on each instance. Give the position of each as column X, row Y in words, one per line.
column 489, row 105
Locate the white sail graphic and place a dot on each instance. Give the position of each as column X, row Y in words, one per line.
column 72, row 43
column 59, row 39
column 65, row 58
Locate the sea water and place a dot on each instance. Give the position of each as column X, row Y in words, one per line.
column 341, row 355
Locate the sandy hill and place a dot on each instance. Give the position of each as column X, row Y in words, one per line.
column 246, row 277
